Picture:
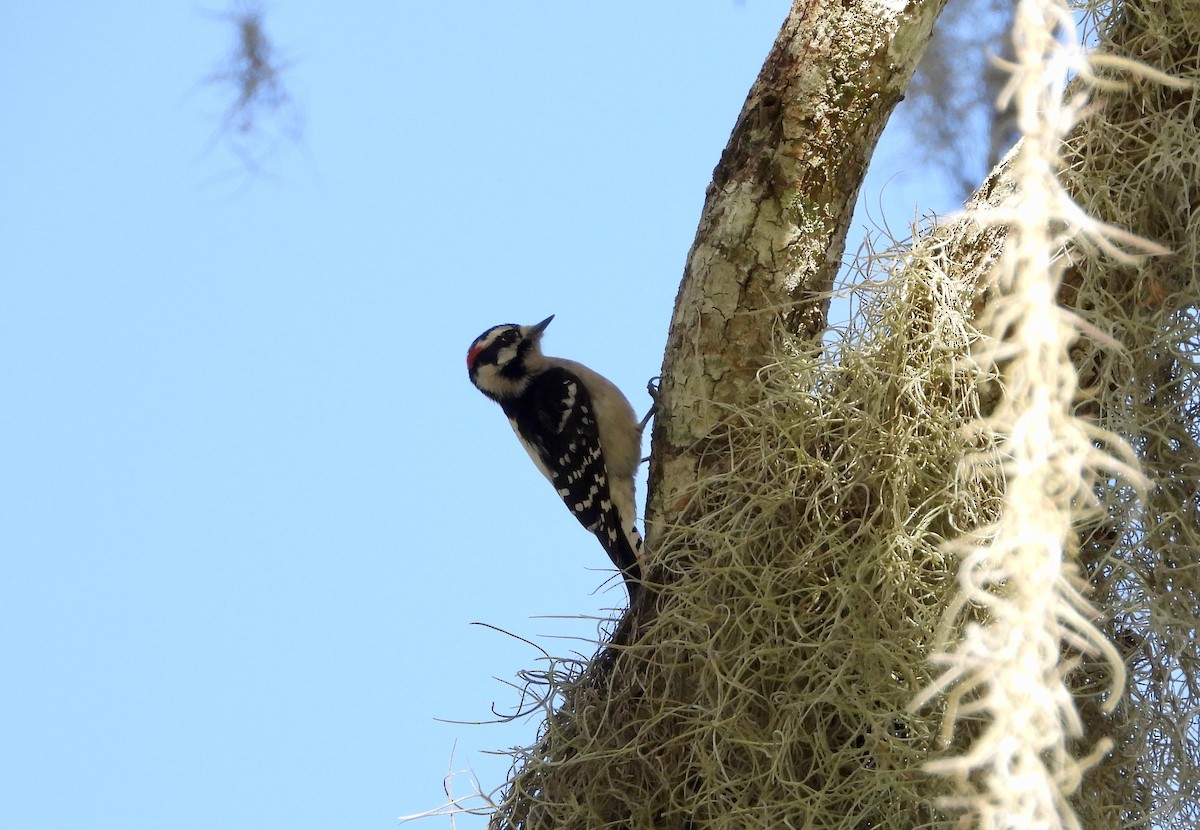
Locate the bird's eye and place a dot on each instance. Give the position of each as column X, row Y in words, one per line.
column 508, row 337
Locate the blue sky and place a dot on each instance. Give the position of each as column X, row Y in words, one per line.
column 249, row 503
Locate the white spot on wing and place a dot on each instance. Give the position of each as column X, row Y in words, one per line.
column 568, row 407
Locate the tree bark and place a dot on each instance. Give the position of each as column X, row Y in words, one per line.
column 773, row 229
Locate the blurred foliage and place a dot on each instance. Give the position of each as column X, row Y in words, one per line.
column 261, row 115
column 951, row 103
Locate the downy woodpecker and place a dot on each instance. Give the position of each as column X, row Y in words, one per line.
column 577, row 427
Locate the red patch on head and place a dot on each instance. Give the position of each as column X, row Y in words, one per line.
column 472, row 354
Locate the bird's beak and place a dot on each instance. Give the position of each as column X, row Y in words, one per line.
column 536, row 330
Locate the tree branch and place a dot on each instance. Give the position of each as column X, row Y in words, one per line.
column 773, row 229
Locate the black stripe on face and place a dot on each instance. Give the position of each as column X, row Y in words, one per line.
column 488, row 346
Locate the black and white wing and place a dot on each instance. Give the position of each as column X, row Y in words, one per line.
column 556, row 423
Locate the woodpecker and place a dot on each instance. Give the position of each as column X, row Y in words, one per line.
column 577, row 427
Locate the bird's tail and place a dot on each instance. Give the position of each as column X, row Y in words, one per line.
column 625, row 550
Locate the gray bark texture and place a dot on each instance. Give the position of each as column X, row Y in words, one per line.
column 773, row 229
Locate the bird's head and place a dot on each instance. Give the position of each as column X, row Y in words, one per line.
column 497, row 361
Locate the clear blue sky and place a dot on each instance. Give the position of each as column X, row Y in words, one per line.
column 249, row 502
